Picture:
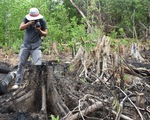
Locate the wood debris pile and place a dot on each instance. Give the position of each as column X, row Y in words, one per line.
column 96, row 84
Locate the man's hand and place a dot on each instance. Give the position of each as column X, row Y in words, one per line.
column 31, row 22
column 38, row 28
column 43, row 32
column 25, row 25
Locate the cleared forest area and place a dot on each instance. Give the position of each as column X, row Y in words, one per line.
column 93, row 85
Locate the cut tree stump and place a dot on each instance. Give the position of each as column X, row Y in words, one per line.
column 40, row 95
column 135, row 53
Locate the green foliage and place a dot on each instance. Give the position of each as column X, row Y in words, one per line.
column 115, row 104
column 65, row 30
column 10, row 19
column 113, row 34
column 16, row 45
column 58, row 24
column 54, row 118
column 77, row 33
column 126, row 13
column 66, row 26
column 71, row 10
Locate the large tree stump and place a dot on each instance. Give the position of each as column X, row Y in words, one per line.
column 43, row 93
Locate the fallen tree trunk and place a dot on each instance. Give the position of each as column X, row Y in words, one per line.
column 85, row 112
column 4, row 83
column 137, row 69
column 4, row 69
column 138, row 64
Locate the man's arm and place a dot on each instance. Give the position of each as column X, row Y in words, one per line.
column 43, row 32
column 25, row 25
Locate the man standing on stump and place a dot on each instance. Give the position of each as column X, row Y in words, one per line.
column 35, row 26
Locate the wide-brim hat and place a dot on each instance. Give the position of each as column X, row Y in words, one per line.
column 34, row 14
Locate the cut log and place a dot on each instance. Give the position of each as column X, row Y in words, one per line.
column 138, row 64
column 4, row 83
column 140, row 72
column 5, row 69
column 85, row 112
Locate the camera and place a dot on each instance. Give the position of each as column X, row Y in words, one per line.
column 37, row 23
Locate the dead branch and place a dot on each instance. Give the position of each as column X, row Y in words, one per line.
column 121, row 115
column 90, row 109
column 44, row 106
column 131, row 103
column 134, row 29
column 121, row 108
column 82, row 14
column 140, row 72
column 43, row 109
column 87, row 111
column 138, row 64
column 128, row 68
